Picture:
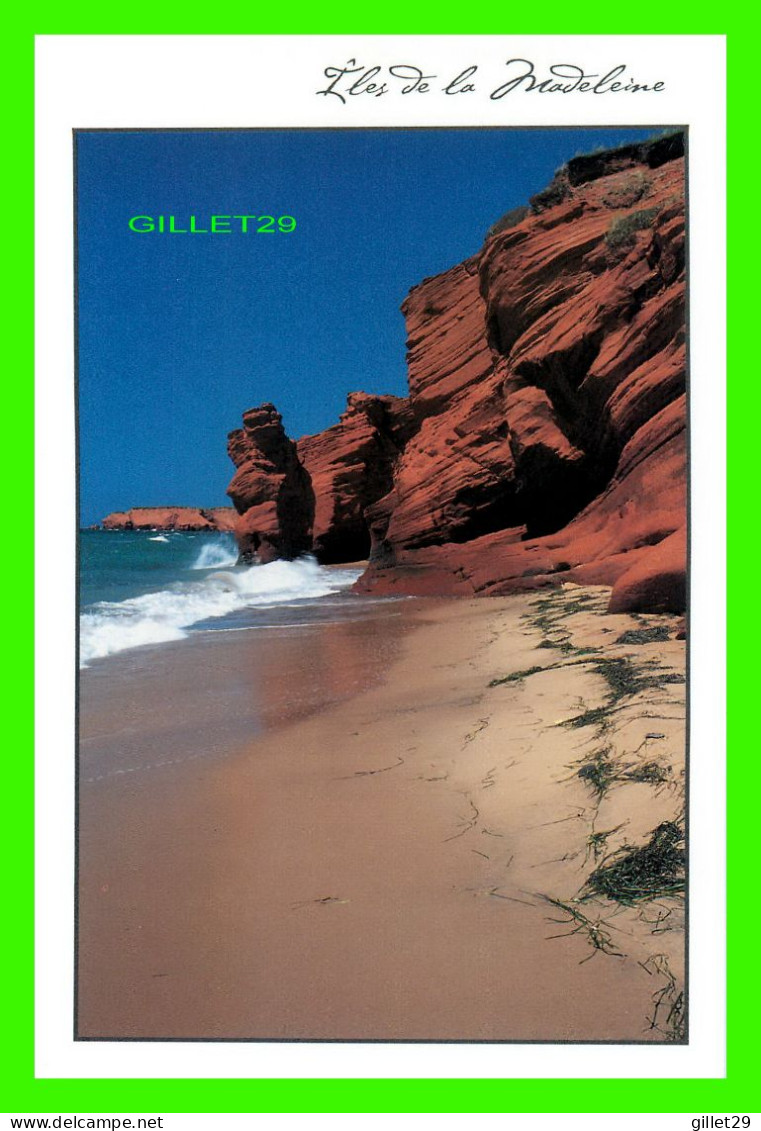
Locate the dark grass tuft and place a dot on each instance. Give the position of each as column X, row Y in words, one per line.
column 597, row 842
column 644, row 635
column 669, row 1015
column 580, row 924
column 578, row 605
column 622, row 678
column 515, row 677
column 650, row 772
column 625, row 679
column 622, row 230
column 595, row 716
column 563, row 646
column 566, row 647
column 649, row 871
column 598, row 771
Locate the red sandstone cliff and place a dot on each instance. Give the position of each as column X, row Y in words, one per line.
column 351, row 466
column 171, row 518
column 544, row 432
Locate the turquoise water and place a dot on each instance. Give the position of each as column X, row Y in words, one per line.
column 141, row 588
column 117, row 564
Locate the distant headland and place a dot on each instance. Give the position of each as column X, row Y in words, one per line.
column 171, row 518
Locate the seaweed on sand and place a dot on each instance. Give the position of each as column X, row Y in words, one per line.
column 566, row 647
column 598, row 771
column 560, row 604
column 644, row 635
column 597, row 842
column 649, row 871
column 560, row 645
column 649, row 772
column 580, row 604
column 625, row 680
column 594, row 716
column 580, row 924
column 669, row 1006
column 515, row 677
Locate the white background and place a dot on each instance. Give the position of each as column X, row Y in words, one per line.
column 197, row 81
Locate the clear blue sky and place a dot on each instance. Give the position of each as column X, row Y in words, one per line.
column 178, row 334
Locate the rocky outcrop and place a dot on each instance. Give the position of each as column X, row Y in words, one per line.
column 313, row 495
column 271, row 491
column 657, row 579
column 171, row 518
column 544, row 433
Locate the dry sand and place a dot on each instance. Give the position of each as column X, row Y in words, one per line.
column 382, row 869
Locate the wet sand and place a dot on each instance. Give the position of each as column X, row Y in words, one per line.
column 381, row 869
column 209, row 694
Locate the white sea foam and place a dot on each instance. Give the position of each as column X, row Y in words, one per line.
column 216, row 553
column 159, row 538
column 155, row 618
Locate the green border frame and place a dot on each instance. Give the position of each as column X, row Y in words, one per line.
column 24, row 1093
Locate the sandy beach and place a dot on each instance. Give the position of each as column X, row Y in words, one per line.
column 436, row 838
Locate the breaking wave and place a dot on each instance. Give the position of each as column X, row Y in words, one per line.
column 217, row 554
column 109, row 627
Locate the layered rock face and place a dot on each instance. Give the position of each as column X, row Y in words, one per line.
column 544, row 433
column 171, row 518
column 351, row 466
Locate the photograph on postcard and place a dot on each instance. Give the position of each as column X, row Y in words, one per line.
column 382, row 567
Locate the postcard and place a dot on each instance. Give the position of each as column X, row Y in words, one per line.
column 385, row 735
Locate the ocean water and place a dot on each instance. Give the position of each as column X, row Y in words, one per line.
column 141, row 588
